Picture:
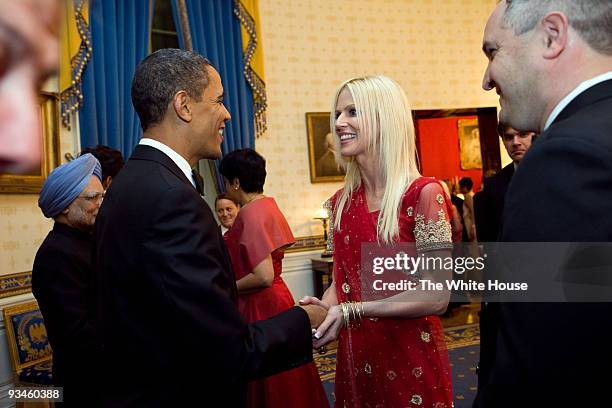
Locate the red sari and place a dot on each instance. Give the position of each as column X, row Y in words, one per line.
column 260, row 229
column 390, row 362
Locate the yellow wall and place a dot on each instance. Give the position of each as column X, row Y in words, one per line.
column 22, row 225
column 431, row 47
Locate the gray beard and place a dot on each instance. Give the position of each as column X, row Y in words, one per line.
column 78, row 219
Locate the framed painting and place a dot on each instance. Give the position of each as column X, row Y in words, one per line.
column 321, row 154
column 469, row 144
column 32, row 182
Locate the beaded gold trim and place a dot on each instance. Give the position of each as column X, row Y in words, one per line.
column 330, row 236
column 258, row 86
column 71, row 98
column 432, row 235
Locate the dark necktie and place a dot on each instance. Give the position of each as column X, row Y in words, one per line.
column 199, row 182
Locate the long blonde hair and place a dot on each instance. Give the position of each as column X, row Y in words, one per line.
column 385, row 122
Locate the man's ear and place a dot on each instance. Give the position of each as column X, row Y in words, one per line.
column 107, row 182
column 555, row 34
column 182, row 106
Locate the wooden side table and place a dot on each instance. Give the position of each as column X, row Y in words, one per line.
column 322, row 269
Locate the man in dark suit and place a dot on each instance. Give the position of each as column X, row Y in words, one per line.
column 167, row 314
column 62, row 276
column 551, row 64
column 489, row 203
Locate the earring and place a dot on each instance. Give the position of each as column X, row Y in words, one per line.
column 236, row 188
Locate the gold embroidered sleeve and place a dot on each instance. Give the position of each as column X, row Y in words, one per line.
column 431, row 235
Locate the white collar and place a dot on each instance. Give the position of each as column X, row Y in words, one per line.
column 174, row 156
column 572, row 95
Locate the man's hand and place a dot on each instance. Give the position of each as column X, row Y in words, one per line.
column 316, row 314
column 311, row 300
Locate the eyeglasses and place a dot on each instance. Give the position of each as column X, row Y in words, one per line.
column 93, row 196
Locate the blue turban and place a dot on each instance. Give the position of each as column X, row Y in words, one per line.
column 66, row 182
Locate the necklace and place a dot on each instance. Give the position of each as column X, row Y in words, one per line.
column 255, row 197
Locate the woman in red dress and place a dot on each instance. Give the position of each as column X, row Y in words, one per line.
column 391, row 350
column 256, row 244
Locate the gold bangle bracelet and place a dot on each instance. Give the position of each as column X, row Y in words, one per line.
column 345, row 313
column 352, row 306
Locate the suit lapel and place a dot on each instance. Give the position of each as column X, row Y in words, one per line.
column 594, row 94
column 507, row 173
column 148, row 153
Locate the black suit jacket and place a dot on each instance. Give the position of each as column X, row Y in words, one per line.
column 166, row 300
column 489, row 204
column 62, row 285
column 550, row 354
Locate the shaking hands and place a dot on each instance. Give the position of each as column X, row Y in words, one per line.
column 326, row 319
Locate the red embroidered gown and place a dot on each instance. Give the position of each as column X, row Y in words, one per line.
column 388, row 362
column 260, row 229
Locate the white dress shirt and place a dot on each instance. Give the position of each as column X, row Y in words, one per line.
column 572, row 95
column 174, row 156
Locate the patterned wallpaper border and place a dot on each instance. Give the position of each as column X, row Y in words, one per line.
column 18, row 283
column 15, row 284
column 309, row 243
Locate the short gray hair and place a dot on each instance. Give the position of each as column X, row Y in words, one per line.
column 592, row 19
column 160, row 76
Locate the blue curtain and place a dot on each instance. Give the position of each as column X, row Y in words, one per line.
column 215, row 33
column 120, row 38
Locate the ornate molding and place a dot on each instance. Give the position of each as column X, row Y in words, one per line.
column 307, row 243
column 15, row 284
column 18, row 283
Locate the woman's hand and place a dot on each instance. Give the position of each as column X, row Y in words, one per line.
column 330, row 328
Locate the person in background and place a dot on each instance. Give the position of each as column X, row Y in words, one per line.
column 29, row 54
column 62, row 275
column 458, row 203
column 391, row 349
column 465, row 187
column 227, row 210
column 110, row 159
column 489, row 202
column 455, row 220
column 256, row 244
column 457, row 230
column 489, row 205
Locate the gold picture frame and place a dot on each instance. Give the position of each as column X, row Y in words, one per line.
column 20, row 338
column 32, row 183
column 323, row 168
column 469, row 144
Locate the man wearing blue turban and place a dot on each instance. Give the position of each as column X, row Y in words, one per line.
column 61, row 275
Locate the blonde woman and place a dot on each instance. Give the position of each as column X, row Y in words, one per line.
column 390, row 351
